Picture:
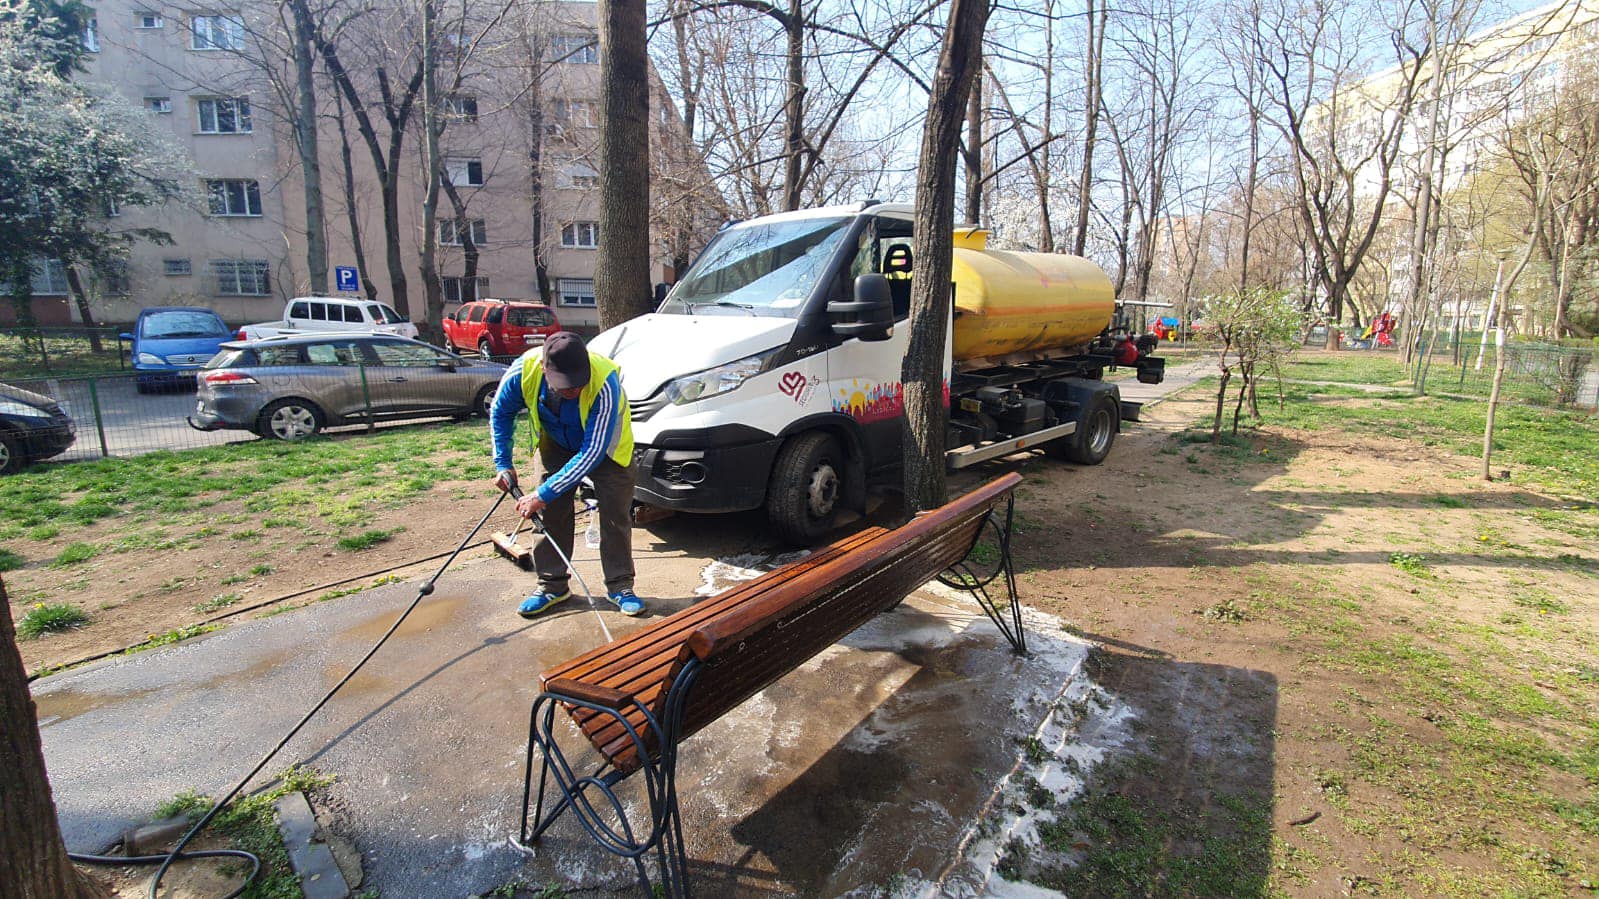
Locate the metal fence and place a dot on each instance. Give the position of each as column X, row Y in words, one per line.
column 113, row 417
column 30, row 352
column 1540, row 374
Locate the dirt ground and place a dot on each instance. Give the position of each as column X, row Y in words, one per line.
column 1225, row 590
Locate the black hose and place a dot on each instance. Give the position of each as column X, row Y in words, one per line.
column 177, row 853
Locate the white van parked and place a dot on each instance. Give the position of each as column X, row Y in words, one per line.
column 313, row 314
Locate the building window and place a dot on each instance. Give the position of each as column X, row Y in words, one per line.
column 463, row 290
column 577, row 292
column 91, row 35
column 234, row 197
column 578, row 48
column 223, row 115
column 582, row 235
column 114, row 278
column 578, row 176
column 450, row 235
column 176, row 267
column 217, row 33
column 147, row 20
column 242, row 277
column 576, row 113
column 158, row 104
column 464, row 172
column 49, row 278
column 461, row 109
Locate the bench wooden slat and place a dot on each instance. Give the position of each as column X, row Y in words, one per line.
column 752, row 634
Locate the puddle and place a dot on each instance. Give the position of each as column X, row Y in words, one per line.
column 64, row 705
column 430, row 613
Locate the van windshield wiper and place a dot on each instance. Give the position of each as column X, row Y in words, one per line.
column 727, row 304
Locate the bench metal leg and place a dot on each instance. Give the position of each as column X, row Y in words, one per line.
column 578, row 793
column 963, row 576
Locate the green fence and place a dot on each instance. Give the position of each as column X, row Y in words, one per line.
column 1542, row 374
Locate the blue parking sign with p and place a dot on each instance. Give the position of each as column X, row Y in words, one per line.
column 347, row 278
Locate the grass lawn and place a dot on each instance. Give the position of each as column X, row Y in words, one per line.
column 62, row 356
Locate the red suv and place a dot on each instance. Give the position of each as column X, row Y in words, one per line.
column 499, row 327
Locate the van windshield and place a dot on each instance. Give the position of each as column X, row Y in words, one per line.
column 770, row 268
column 382, row 314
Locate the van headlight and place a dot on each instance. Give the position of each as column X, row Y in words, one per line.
column 717, row 380
column 151, row 359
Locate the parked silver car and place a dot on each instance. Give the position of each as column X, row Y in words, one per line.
column 290, row 387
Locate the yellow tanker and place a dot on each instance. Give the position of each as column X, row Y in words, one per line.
column 1008, row 303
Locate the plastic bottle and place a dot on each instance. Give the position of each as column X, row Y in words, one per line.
column 591, row 536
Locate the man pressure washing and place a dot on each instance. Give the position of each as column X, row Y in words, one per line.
column 582, row 428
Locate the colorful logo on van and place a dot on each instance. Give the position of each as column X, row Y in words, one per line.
column 867, row 403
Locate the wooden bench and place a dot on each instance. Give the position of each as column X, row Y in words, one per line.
column 637, row 698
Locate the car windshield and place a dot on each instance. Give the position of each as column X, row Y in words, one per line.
column 759, row 269
column 381, row 312
column 531, row 318
column 166, row 325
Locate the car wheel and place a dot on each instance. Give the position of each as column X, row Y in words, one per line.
column 290, row 419
column 807, row 488
column 11, row 458
column 484, row 350
column 485, row 399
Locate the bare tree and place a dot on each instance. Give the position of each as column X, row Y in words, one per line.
column 1343, row 140
column 933, row 248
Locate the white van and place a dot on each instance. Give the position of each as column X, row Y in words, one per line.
column 312, row 314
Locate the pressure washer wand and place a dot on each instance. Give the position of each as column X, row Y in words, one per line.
column 516, row 493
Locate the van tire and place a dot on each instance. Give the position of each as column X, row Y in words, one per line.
column 1096, row 431
column 290, row 419
column 808, row 488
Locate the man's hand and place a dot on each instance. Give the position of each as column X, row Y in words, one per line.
column 530, row 505
column 505, row 479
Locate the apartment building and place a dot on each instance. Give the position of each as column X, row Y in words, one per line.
column 215, row 80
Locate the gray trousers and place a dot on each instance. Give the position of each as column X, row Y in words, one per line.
column 613, row 485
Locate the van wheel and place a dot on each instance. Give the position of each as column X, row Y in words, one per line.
column 807, row 488
column 290, row 419
column 1096, row 431
column 484, row 350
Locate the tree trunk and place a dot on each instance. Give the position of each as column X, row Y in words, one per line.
column 794, row 106
column 32, row 854
column 1221, row 397
column 305, row 136
column 81, row 299
column 974, row 148
column 350, row 207
column 432, row 127
column 933, row 248
column 622, row 262
column 535, row 161
column 1093, row 67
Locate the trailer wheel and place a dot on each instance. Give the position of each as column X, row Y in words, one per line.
column 807, row 488
column 1096, row 431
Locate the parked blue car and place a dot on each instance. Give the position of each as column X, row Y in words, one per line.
column 171, row 343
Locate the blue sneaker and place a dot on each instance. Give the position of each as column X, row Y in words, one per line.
column 627, row 602
column 539, row 602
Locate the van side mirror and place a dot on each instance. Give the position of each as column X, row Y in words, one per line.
column 124, row 336
column 870, row 316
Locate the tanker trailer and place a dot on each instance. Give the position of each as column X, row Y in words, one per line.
column 769, row 377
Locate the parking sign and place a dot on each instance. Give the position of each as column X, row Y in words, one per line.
column 347, row 277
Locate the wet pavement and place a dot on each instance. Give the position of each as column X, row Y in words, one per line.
column 891, row 762
column 869, row 766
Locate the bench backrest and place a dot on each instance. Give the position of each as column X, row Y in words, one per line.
column 748, row 647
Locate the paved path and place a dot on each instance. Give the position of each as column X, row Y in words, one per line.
column 891, row 758
column 869, row 765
